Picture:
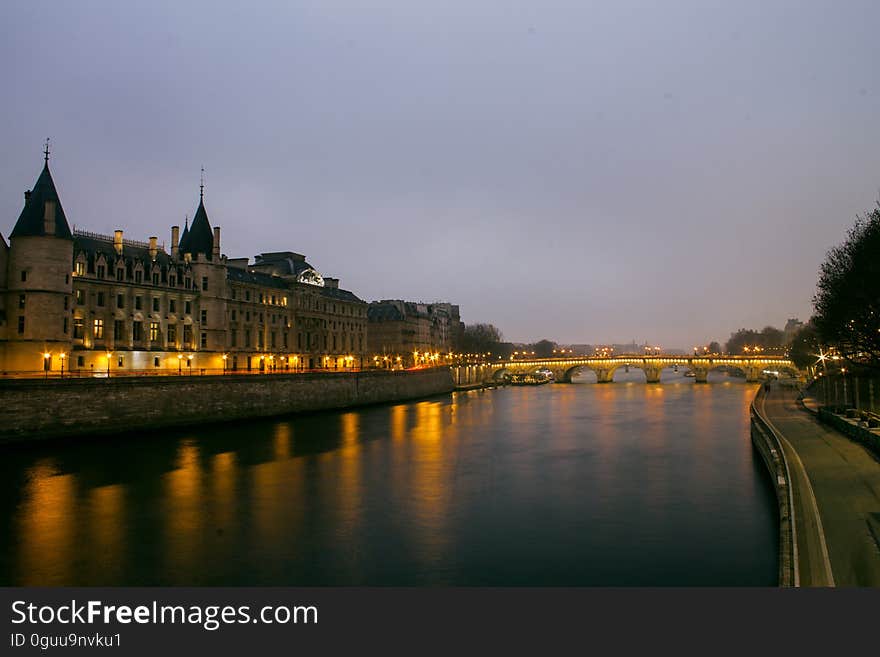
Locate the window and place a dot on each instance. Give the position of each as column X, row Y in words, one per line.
column 188, row 283
column 80, row 268
column 172, row 334
column 100, row 271
column 21, row 299
column 247, row 315
column 154, row 331
column 172, row 280
column 259, row 339
column 233, row 315
column 66, row 325
column 138, row 303
column 20, row 324
column 204, row 282
column 138, row 275
column 23, row 276
column 204, row 317
column 120, row 274
column 234, row 294
column 233, row 337
column 120, row 301
column 272, row 337
column 80, row 361
column 204, row 340
column 137, row 331
column 187, row 334
column 80, row 297
column 100, row 299
column 247, row 294
column 156, row 361
column 247, row 338
column 187, row 307
column 120, row 362
column 172, row 306
column 155, row 304
column 119, row 329
column 156, row 278
column 66, row 303
column 78, row 328
column 98, row 329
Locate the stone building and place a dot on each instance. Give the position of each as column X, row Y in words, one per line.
column 94, row 304
column 409, row 332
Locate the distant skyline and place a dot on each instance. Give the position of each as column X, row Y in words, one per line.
column 583, row 172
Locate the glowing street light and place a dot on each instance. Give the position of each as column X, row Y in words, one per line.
column 46, row 360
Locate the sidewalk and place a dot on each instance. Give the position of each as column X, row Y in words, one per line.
column 845, row 480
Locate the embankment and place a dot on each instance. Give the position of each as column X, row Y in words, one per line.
column 39, row 409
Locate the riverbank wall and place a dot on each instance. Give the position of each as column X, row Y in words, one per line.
column 768, row 445
column 39, row 409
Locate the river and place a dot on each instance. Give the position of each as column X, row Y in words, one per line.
column 620, row 484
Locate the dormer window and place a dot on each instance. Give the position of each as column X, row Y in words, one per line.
column 100, row 273
column 80, row 268
column 120, row 274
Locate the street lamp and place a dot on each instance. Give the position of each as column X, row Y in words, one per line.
column 109, row 355
column 189, row 363
column 224, row 362
column 46, row 361
column 62, row 356
column 179, row 364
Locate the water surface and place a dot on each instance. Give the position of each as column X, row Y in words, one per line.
column 620, row 484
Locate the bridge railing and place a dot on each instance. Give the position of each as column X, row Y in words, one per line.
column 769, row 444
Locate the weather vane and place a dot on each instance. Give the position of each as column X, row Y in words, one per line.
column 202, row 185
column 46, row 151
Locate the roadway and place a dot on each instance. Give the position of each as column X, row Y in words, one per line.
column 837, row 503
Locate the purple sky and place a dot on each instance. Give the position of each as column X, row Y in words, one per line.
column 587, row 172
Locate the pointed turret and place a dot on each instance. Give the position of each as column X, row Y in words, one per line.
column 200, row 238
column 184, row 235
column 42, row 214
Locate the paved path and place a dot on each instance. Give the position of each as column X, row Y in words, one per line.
column 845, row 481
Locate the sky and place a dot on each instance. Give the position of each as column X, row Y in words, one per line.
column 588, row 172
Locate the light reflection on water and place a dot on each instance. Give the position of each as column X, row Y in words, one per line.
column 618, row 484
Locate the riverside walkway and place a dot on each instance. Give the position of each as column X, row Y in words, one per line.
column 837, row 497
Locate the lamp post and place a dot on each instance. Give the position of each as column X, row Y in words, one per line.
column 189, row 364
column 224, row 363
column 179, row 364
column 109, row 355
column 46, row 360
column 62, row 355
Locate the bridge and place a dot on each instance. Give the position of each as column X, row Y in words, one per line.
column 605, row 366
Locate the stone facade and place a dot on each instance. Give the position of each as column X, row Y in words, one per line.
column 94, row 304
column 407, row 332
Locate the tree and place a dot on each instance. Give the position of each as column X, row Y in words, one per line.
column 714, row 348
column 847, row 300
column 480, row 339
column 804, row 346
column 543, row 348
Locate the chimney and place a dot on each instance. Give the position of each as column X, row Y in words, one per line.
column 117, row 241
column 216, row 242
column 49, row 217
column 154, row 247
column 175, row 239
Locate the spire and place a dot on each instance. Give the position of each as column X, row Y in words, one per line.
column 184, row 235
column 202, row 187
column 42, row 214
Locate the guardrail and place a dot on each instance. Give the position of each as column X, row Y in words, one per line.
column 769, row 445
